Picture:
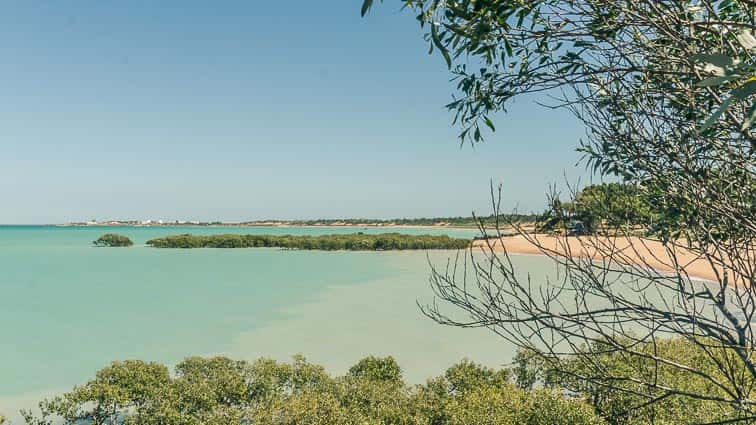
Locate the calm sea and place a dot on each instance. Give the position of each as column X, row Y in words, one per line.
column 67, row 309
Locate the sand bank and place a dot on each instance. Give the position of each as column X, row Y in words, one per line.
column 629, row 250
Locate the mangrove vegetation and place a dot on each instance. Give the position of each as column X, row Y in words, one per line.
column 221, row 391
column 334, row 242
column 532, row 391
column 113, row 240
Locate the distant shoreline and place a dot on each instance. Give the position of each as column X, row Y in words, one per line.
column 451, row 222
column 269, row 224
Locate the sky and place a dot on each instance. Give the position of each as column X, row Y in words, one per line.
column 237, row 110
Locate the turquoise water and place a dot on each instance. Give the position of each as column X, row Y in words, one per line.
column 67, row 308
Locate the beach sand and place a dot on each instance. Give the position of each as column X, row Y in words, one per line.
column 631, row 250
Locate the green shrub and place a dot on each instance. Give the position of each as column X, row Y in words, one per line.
column 113, row 240
column 223, row 391
column 614, row 385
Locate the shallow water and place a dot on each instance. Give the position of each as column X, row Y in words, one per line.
column 67, row 308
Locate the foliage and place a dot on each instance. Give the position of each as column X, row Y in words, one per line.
column 219, row 390
column 731, row 72
column 606, row 205
column 630, row 405
column 113, row 240
column 501, row 49
column 665, row 92
column 222, row 391
column 377, row 369
column 349, row 242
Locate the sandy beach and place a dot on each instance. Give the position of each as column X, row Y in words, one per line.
column 631, row 250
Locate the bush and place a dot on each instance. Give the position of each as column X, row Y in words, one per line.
column 113, row 240
column 618, row 396
column 612, row 205
column 223, row 391
column 349, row 242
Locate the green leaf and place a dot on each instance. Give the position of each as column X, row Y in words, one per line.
column 745, row 90
column 751, row 117
column 437, row 42
column 508, row 47
column 714, row 59
column 366, row 5
column 718, row 113
column 716, row 81
column 489, row 123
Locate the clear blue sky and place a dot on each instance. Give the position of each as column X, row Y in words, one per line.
column 247, row 109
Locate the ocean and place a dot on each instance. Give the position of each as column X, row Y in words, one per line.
column 68, row 309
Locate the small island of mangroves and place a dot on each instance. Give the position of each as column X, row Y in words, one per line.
column 333, row 242
column 113, row 240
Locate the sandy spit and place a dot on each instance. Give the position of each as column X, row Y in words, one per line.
column 629, row 250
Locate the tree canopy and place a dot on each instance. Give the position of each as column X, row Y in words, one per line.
column 665, row 92
column 219, row 390
column 222, row 391
column 606, row 205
